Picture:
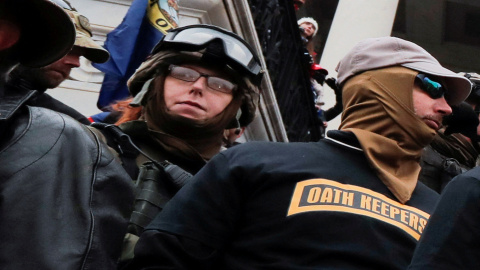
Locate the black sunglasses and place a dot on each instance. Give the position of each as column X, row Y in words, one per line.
column 432, row 88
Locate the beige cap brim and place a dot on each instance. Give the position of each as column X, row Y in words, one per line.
column 381, row 52
column 458, row 87
column 93, row 51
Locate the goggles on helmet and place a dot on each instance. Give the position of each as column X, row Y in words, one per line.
column 197, row 37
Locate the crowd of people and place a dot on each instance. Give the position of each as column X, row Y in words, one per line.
column 154, row 187
column 318, row 76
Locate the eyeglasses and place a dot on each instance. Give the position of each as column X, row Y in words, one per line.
column 197, row 37
column 434, row 89
column 191, row 75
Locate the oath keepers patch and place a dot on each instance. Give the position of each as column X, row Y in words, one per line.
column 326, row 195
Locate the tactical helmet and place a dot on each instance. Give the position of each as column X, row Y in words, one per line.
column 210, row 45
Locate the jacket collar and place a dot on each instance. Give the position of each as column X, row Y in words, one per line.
column 13, row 100
column 344, row 138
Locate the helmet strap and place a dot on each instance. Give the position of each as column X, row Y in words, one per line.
column 237, row 118
column 138, row 100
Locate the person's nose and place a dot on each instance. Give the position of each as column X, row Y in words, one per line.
column 199, row 86
column 72, row 60
column 441, row 106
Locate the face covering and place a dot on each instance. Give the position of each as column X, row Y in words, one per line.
column 379, row 111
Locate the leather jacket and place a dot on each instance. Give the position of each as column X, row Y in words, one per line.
column 42, row 99
column 65, row 201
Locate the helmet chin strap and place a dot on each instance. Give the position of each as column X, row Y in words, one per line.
column 238, row 129
column 138, row 100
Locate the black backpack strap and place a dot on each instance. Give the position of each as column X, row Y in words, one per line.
column 151, row 178
column 122, row 143
column 128, row 152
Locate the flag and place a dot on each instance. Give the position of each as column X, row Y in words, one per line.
column 130, row 43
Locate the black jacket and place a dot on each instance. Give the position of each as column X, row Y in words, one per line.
column 44, row 100
column 40, row 99
column 65, row 201
column 451, row 238
column 286, row 206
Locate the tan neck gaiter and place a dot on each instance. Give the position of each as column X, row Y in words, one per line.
column 379, row 111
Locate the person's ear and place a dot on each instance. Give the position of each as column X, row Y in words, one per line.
column 9, row 34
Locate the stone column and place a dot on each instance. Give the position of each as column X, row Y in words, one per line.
column 354, row 21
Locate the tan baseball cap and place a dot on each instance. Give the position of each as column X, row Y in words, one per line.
column 93, row 51
column 47, row 33
column 374, row 53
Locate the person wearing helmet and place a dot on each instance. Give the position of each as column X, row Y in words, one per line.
column 64, row 199
column 332, row 204
column 51, row 76
column 198, row 81
column 455, row 148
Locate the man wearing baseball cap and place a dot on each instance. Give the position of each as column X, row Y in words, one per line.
column 350, row 201
column 51, row 76
column 62, row 194
column 34, row 47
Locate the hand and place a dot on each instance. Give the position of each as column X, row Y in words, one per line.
column 332, row 83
